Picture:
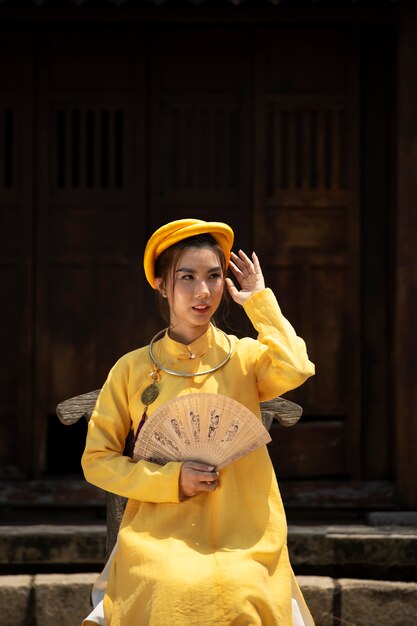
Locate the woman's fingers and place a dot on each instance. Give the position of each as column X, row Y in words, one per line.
column 236, row 271
column 197, row 477
column 256, row 263
column 246, row 271
column 232, row 288
column 243, row 262
column 207, row 486
column 248, row 274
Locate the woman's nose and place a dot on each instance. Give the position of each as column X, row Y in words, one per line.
column 202, row 290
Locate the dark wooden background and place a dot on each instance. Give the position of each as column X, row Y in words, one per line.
column 287, row 131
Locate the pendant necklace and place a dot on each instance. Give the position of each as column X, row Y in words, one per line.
column 149, row 395
column 151, row 392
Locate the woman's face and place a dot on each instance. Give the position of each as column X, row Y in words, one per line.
column 196, row 292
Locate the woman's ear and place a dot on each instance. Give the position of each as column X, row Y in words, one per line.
column 160, row 287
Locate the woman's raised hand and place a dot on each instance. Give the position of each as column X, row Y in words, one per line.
column 249, row 275
column 197, row 477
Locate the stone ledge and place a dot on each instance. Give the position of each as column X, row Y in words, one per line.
column 57, row 545
column 366, row 602
column 16, row 600
column 354, row 551
column 319, row 593
column 336, row 551
column 62, row 598
column 48, row 599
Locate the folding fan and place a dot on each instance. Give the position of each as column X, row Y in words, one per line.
column 203, row 427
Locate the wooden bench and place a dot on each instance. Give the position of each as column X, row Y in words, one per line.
column 70, row 411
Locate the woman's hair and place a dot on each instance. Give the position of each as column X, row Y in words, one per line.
column 167, row 262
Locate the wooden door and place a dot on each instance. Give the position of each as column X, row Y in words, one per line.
column 303, row 184
column 201, row 130
column 255, row 126
column 16, row 178
column 308, row 218
column 91, row 182
column 308, row 226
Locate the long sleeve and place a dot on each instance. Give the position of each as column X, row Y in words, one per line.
column 103, row 462
column 282, row 361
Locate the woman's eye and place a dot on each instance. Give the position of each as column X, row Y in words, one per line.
column 187, row 277
column 215, row 275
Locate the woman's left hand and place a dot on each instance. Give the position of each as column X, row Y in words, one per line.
column 249, row 275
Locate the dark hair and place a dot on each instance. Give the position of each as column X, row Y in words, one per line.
column 166, row 264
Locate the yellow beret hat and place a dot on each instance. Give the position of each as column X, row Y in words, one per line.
column 178, row 230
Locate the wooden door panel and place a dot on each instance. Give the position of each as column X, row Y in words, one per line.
column 85, row 341
column 207, row 59
column 308, row 228
column 15, row 252
column 91, row 148
column 320, row 291
column 307, row 59
column 11, row 281
column 328, row 313
column 310, row 451
column 71, row 333
column 200, row 160
column 88, row 58
column 266, row 141
column 82, row 233
column 294, row 232
column 91, row 194
column 307, row 148
column 200, row 148
column 201, row 127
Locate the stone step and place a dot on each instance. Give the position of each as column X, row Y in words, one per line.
column 355, row 551
column 352, row 551
column 64, row 599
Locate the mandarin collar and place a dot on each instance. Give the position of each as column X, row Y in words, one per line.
column 175, row 348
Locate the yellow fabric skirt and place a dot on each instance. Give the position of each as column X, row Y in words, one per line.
column 217, row 559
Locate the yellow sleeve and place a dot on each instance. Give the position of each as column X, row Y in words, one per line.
column 282, row 361
column 103, row 462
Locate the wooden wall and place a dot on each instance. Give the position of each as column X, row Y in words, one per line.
column 108, row 132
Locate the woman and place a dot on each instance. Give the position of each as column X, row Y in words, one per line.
column 197, row 546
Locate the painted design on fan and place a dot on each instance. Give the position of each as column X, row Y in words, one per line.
column 195, row 423
column 214, row 422
column 166, row 442
column 179, row 429
column 218, row 431
column 231, row 432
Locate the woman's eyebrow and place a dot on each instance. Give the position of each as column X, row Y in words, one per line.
column 185, row 269
column 191, row 271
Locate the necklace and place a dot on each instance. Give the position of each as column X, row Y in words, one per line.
column 185, row 374
column 151, row 392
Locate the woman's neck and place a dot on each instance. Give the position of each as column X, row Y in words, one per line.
column 187, row 336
